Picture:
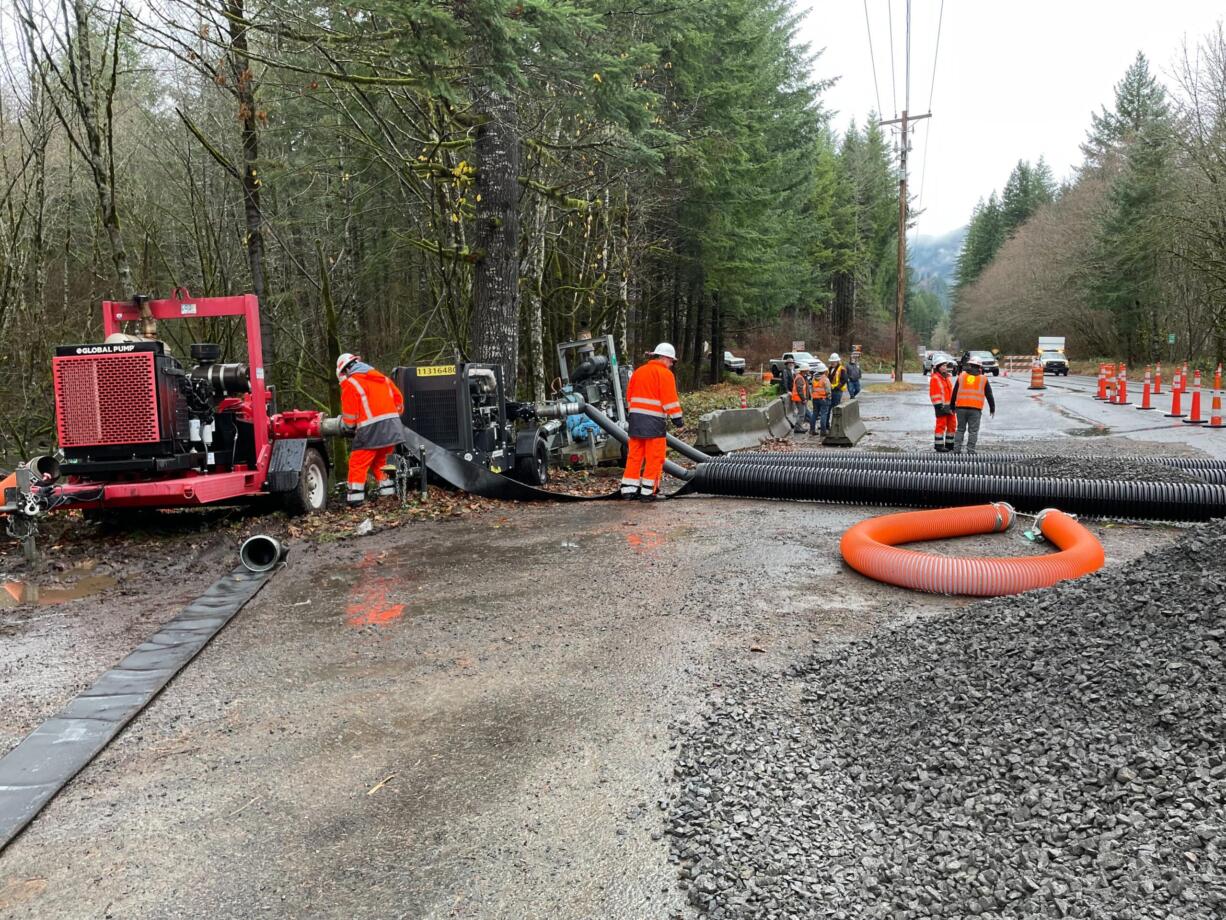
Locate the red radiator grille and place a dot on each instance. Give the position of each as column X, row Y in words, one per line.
column 105, row 399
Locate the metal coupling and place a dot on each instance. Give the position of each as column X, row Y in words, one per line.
column 573, row 406
column 334, row 427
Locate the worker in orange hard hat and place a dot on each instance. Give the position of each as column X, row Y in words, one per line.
column 971, row 391
column 371, row 406
column 941, row 392
column 653, row 401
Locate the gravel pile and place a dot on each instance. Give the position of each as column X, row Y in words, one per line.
column 1056, row 754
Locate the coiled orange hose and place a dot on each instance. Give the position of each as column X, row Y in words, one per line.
column 869, row 548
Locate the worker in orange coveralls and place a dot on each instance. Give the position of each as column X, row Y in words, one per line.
column 941, row 392
column 370, row 405
column 652, row 397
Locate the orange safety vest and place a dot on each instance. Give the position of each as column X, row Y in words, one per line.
column 940, row 389
column 368, row 397
column 652, row 398
column 800, row 388
column 972, row 390
column 821, row 388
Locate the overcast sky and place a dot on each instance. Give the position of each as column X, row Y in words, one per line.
column 1013, row 80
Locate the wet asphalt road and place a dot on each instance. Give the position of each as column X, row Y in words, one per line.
column 466, row 719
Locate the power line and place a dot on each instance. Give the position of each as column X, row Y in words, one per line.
column 889, row 9
column 869, row 26
column 936, row 54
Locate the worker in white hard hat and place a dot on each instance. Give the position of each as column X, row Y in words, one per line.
column 370, row 405
column 838, row 379
column 652, row 398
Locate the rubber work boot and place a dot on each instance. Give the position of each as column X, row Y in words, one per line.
column 653, row 497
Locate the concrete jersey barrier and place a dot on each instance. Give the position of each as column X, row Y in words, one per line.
column 726, row 430
column 845, row 425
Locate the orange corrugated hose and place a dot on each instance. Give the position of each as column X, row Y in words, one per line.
column 869, row 548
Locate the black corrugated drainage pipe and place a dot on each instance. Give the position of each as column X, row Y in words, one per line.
column 983, row 465
column 1166, row 501
column 863, row 458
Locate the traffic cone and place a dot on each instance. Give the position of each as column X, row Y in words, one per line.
column 1158, row 380
column 1036, row 377
column 1102, row 384
column 1217, row 377
column 1121, row 388
column 1215, row 416
column 744, row 401
column 1183, row 378
column 1145, row 392
column 1176, row 409
column 1194, row 418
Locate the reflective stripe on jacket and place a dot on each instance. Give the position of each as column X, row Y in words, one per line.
column 820, row 388
column 652, row 399
column 369, row 397
column 940, row 389
column 972, row 390
column 838, row 378
column 800, row 389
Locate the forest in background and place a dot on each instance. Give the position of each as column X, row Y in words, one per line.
column 1132, row 248
column 417, row 179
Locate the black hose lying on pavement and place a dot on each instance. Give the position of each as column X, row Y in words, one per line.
column 1166, row 501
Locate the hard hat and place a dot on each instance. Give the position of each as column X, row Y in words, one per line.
column 834, row 356
column 343, row 362
column 819, row 368
column 664, row 350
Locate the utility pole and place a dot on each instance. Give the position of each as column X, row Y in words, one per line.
column 902, row 205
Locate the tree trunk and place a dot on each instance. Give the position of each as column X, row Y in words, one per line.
column 96, row 146
column 533, row 271
column 494, row 331
column 244, row 90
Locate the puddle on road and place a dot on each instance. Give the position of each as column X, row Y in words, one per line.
column 13, row 593
column 1100, row 432
column 370, row 604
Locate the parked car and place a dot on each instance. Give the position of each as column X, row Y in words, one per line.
column 1054, row 363
column 800, row 357
column 933, row 358
column 733, row 363
column 988, row 361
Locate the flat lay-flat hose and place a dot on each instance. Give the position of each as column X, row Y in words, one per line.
column 869, row 548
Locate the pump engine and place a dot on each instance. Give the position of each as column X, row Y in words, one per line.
column 129, row 406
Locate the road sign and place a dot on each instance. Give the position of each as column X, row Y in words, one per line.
column 1170, row 339
column 798, row 346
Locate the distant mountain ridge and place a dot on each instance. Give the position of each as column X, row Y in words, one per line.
column 932, row 260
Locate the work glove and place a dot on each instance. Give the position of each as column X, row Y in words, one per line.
column 678, row 423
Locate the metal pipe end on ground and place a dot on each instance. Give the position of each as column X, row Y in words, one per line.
column 262, row 553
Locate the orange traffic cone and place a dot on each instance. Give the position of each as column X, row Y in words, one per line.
column 1102, row 383
column 1176, row 409
column 1194, row 418
column 1217, row 377
column 1183, row 378
column 744, row 401
column 1158, row 380
column 1145, row 393
column 1215, row 417
column 1036, row 377
column 1121, row 389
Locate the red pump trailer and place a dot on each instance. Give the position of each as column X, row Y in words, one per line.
column 139, row 430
